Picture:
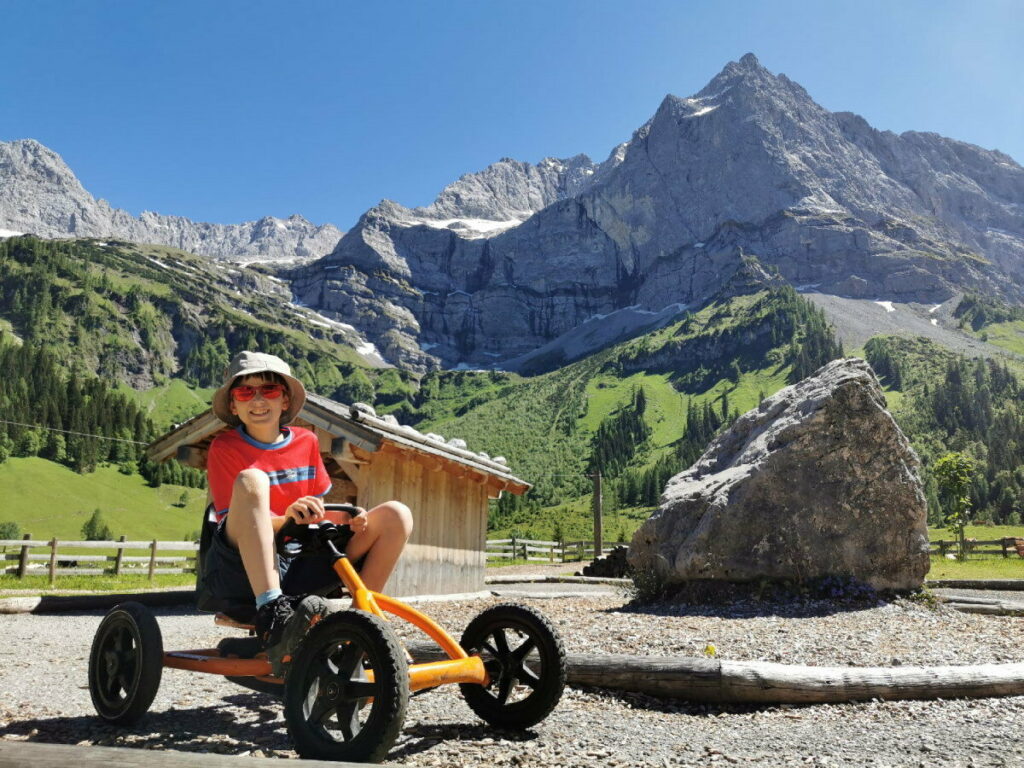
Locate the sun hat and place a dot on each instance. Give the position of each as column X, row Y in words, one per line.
column 249, row 364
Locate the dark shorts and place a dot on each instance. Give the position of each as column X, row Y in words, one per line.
column 225, row 587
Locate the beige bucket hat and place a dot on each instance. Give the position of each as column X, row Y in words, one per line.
column 248, row 364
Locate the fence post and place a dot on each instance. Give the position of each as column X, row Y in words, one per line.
column 942, row 548
column 53, row 561
column 152, row 559
column 119, row 557
column 513, row 548
column 1003, row 543
column 597, row 502
column 23, row 560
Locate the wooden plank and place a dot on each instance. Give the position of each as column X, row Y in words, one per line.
column 18, row 754
column 195, row 431
column 78, row 558
column 19, row 543
column 181, row 546
column 340, row 426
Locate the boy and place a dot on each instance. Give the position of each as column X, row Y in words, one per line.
column 260, row 474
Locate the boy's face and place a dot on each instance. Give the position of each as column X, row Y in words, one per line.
column 260, row 411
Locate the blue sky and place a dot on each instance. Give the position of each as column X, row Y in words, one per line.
column 230, row 110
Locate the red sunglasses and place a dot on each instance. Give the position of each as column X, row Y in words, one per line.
column 268, row 391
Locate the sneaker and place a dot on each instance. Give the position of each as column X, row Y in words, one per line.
column 272, row 619
column 307, row 612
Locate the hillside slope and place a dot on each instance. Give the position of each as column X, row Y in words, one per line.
column 47, row 500
column 144, row 314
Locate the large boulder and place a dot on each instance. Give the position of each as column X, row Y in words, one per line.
column 816, row 481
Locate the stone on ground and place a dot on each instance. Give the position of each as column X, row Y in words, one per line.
column 817, row 481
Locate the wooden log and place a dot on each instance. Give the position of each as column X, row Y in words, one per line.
column 712, row 680
column 18, row 754
column 998, row 608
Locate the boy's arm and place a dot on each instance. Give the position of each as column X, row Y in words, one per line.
column 222, row 467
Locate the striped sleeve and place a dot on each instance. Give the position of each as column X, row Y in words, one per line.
column 321, row 480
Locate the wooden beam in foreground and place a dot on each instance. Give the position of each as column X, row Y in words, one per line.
column 18, row 754
column 711, row 680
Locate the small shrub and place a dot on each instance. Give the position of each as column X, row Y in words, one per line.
column 924, row 597
column 648, row 586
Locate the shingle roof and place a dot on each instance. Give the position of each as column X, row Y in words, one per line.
column 357, row 423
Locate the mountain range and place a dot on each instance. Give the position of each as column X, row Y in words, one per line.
column 747, row 183
column 40, row 195
column 513, row 258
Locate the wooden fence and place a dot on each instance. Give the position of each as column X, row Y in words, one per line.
column 1006, row 547
column 533, row 550
column 60, row 561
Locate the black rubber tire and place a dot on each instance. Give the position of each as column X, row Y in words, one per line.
column 125, row 663
column 318, row 692
column 537, row 642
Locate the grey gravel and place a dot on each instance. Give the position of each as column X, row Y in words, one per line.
column 44, row 697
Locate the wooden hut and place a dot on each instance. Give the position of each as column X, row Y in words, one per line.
column 374, row 459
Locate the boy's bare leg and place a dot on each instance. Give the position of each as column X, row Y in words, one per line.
column 249, row 529
column 388, row 526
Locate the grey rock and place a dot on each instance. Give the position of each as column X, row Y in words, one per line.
column 40, row 195
column 517, row 256
column 816, row 481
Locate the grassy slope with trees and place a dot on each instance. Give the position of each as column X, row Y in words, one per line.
column 694, row 375
column 639, row 411
column 146, row 315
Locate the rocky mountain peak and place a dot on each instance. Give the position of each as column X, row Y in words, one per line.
column 40, row 194
column 510, row 190
column 513, row 258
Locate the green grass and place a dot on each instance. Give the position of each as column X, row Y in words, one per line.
column 1008, row 336
column 978, row 567
column 171, row 403
column 48, row 500
column 40, row 585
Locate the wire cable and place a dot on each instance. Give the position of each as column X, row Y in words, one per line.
column 70, row 432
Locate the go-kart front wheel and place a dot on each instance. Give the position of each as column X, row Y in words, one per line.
column 346, row 692
column 125, row 663
column 525, row 661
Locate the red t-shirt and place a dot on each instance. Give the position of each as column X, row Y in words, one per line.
column 293, row 465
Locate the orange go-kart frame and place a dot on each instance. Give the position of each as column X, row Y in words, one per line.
column 460, row 667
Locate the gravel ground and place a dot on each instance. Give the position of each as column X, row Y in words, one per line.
column 44, row 697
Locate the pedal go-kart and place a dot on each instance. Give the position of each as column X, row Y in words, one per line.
column 347, row 684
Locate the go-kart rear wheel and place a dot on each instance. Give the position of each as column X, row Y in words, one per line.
column 125, row 663
column 332, row 709
column 525, row 661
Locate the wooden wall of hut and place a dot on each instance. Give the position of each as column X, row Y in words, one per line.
column 445, row 554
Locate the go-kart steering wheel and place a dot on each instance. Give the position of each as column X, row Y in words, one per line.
column 325, row 537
